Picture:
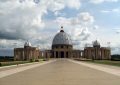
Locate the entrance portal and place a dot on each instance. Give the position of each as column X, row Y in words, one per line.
column 62, row 54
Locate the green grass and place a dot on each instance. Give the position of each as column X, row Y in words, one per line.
column 8, row 63
column 13, row 63
column 107, row 62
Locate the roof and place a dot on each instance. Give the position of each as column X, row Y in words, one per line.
column 62, row 38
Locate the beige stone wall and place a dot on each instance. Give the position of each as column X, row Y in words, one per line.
column 97, row 53
column 47, row 54
column 18, row 54
column 62, row 51
column 88, row 52
column 77, row 54
column 26, row 53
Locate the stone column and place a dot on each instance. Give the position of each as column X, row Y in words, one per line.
column 109, row 54
column 101, row 53
column 105, row 54
column 54, row 54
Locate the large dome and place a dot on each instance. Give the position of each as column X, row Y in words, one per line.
column 62, row 38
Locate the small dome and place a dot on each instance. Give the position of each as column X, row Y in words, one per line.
column 27, row 44
column 62, row 38
column 96, row 43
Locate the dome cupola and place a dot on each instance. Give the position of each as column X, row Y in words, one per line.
column 62, row 38
column 96, row 44
column 27, row 44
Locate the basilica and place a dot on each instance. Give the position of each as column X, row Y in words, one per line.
column 62, row 47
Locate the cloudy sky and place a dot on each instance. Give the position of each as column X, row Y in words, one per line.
column 39, row 20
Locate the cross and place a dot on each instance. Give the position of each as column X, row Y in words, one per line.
column 61, row 27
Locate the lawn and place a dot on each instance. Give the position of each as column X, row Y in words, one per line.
column 13, row 63
column 17, row 62
column 107, row 62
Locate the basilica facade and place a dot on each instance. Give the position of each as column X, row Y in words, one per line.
column 62, row 47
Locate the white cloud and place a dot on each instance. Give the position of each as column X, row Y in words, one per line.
column 81, row 34
column 24, row 19
column 116, row 30
column 86, row 17
column 105, row 11
column 58, row 13
column 16, row 20
column 79, row 27
column 101, row 1
column 63, row 21
column 38, row 22
column 115, row 48
column 73, row 4
column 55, row 5
column 83, row 18
column 96, row 27
column 116, row 10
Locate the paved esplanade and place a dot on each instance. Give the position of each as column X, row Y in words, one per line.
column 61, row 72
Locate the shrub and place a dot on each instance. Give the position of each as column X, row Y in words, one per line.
column 36, row 60
column 115, row 57
column 0, row 64
column 31, row 60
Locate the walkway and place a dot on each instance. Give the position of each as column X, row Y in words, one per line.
column 61, row 72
